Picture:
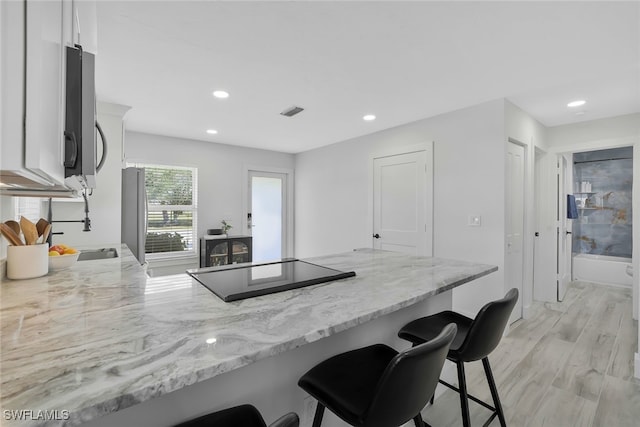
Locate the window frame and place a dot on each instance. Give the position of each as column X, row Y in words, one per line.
column 193, row 208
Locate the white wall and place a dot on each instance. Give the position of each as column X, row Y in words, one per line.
column 333, row 192
column 220, row 172
column 595, row 134
column 104, row 204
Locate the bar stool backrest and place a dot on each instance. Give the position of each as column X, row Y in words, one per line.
column 409, row 381
column 487, row 328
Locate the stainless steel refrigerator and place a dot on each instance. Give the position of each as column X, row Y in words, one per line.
column 134, row 211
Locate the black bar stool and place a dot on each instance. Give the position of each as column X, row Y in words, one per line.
column 240, row 416
column 376, row 386
column 474, row 340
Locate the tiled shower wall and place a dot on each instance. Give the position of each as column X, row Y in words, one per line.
column 604, row 223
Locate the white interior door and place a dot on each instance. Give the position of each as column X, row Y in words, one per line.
column 514, row 262
column 267, row 215
column 403, row 203
column 545, row 259
column 563, row 236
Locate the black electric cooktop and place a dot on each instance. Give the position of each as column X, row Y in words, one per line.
column 240, row 281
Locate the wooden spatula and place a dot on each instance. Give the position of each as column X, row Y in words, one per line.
column 45, row 233
column 29, row 231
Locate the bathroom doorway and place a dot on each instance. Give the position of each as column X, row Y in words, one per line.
column 602, row 242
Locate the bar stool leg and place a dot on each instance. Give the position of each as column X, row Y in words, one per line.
column 317, row 419
column 418, row 421
column 464, row 401
column 494, row 391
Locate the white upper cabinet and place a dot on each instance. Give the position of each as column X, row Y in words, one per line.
column 33, row 37
column 46, row 39
column 12, row 83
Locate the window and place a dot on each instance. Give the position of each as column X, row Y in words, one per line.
column 29, row 207
column 171, row 210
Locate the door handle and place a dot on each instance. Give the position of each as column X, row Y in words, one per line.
column 568, row 232
column 377, row 236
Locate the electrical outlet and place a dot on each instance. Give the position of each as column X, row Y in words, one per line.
column 474, row 221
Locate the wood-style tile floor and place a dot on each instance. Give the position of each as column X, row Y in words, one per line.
column 569, row 364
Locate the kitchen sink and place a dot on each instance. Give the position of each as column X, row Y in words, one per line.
column 93, row 254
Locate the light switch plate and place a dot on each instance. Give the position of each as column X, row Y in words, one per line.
column 474, row 221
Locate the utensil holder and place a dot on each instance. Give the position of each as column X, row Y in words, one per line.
column 28, row 261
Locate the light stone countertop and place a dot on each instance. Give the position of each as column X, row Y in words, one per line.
column 102, row 336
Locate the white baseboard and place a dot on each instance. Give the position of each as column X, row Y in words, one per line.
column 526, row 311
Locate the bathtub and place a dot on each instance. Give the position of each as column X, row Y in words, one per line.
column 608, row 270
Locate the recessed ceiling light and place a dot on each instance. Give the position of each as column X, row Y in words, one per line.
column 221, row 94
column 212, row 131
column 577, row 103
column 369, row 118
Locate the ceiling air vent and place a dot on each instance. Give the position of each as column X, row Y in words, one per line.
column 292, row 111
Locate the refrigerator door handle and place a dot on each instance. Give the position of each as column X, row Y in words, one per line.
column 145, row 212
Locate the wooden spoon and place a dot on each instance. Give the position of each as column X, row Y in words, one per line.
column 14, row 226
column 10, row 235
column 41, row 225
column 29, row 231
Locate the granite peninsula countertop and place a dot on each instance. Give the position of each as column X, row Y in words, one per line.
column 102, row 336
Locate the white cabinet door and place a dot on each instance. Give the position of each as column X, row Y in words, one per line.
column 47, row 34
column 11, row 85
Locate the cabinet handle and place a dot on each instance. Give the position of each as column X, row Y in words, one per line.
column 104, row 147
column 377, row 236
column 70, row 149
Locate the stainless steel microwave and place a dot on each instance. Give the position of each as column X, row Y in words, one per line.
column 80, row 135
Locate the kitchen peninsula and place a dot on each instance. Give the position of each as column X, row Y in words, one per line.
column 103, row 343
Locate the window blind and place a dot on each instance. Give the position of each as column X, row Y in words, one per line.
column 171, row 209
column 29, row 207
